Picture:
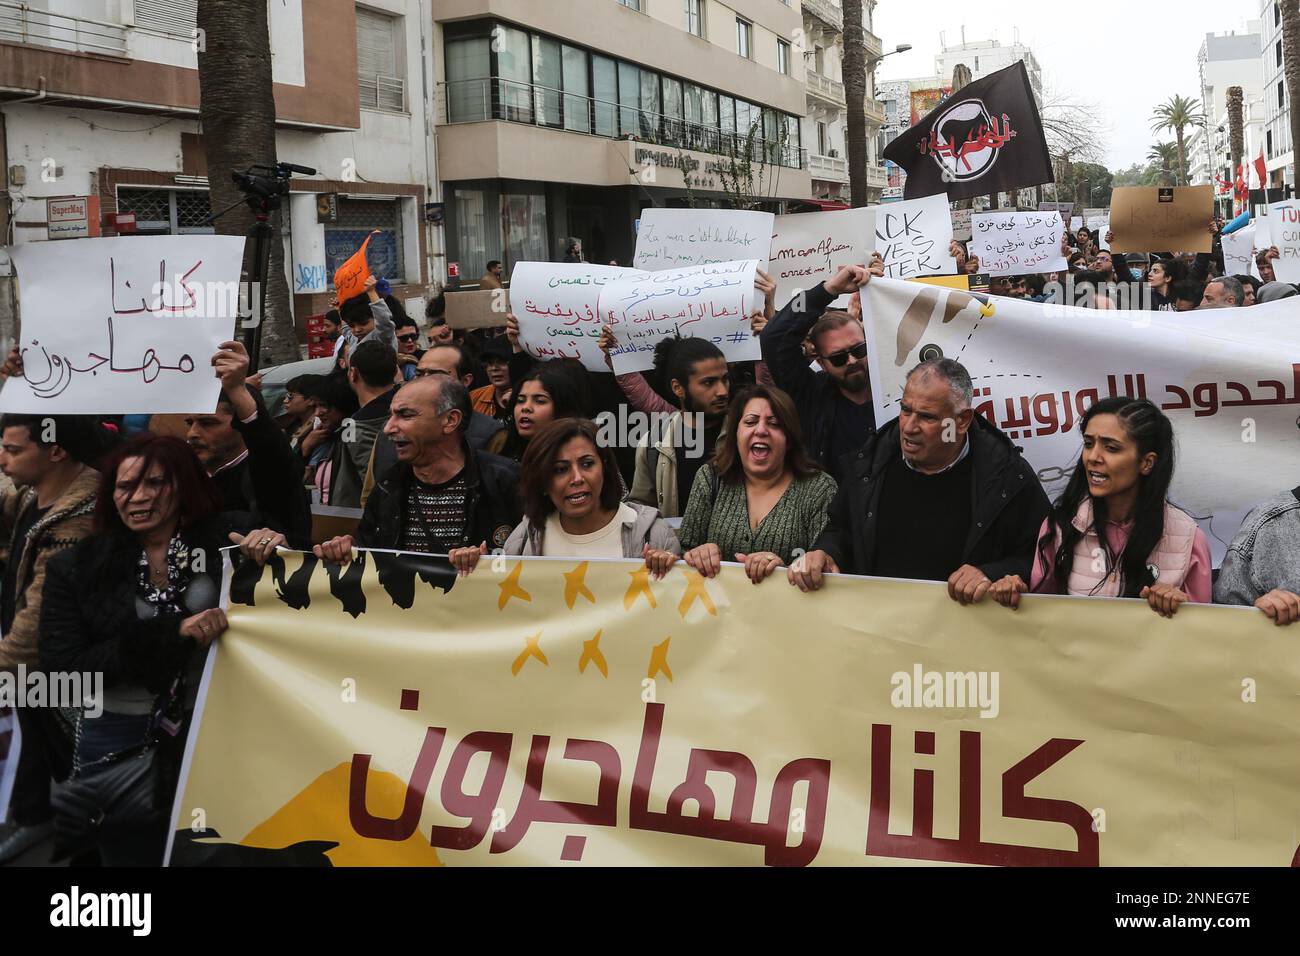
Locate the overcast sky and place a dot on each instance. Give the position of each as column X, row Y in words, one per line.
column 1125, row 58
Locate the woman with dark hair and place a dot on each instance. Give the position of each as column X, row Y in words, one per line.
column 1150, row 548
column 335, row 402
column 136, row 603
column 548, row 391
column 1160, row 277
column 761, row 499
column 570, row 490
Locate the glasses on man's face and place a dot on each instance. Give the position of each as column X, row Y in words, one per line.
column 840, row 359
column 409, row 338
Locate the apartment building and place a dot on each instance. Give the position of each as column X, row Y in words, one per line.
column 567, row 119
column 1277, row 105
column 1223, row 61
column 99, row 98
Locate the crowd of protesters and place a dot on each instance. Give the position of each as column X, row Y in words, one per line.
column 468, row 446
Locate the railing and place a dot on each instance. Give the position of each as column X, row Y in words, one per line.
column 876, row 177
column 831, row 168
column 477, row 101
column 825, row 87
column 875, row 50
column 381, row 92
column 875, row 113
column 20, row 23
column 826, row 12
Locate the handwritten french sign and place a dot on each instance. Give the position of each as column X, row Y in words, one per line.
column 557, row 306
column 709, row 301
column 123, row 326
column 913, row 237
column 679, row 238
column 1017, row 243
column 810, row 247
column 1284, row 232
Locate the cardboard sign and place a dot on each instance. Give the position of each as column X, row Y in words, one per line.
column 1161, row 219
column 680, row 238
column 961, row 224
column 1239, row 251
column 808, row 248
column 714, row 302
column 913, row 237
column 350, row 278
column 480, row 309
column 1284, row 232
column 557, row 305
column 1017, row 243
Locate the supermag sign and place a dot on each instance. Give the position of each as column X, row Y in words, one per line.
column 73, row 217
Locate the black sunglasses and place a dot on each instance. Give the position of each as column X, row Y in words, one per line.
column 415, row 337
column 840, row 359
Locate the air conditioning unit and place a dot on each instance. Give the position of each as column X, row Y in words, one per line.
column 833, row 153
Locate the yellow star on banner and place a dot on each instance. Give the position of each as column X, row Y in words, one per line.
column 591, row 654
column 510, row 587
column 575, row 584
column 659, row 660
column 531, row 649
column 695, row 590
column 640, row 585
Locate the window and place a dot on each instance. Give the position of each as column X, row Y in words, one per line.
column 1279, row 52
column 478, row 236
column 523, row 221
column 1281, row 94
column 695, row 17
column 649, row 105
column 357, row 219
column 576, row 115
column 379, row 79
column 469, row 80
column 604, row 93
column 823, row 140
column 783, row 57
column 744, row 38
column 514, row 72
column 629, row 98
column 673, row 131
column 168, row 16
column 547, row 78
column 632, row 4
column 173, row 212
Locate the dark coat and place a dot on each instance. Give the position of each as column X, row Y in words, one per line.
column 493, row 506
column 268, row 483
column 1008, row 505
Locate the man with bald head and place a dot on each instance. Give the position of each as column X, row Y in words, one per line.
column 441, row 493
column 453, row 360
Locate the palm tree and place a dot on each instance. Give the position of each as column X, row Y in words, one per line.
column 855, row 96
column 237, row 110
column 1236, row 136
column 1290, row 10
column 1166, row 154
column 1178, row 113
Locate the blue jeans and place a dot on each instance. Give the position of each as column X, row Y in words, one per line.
column 109, row 734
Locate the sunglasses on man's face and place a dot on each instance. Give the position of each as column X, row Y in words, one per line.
column 840, row 359
column 409, row 338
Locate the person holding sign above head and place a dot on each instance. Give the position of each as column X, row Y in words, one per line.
column 834, row 404
column 570, row 489
column 938, row 494
column 367, row 316
column 1149, row 548
column 761, row 500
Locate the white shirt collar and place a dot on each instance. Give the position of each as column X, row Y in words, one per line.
column 965, row 450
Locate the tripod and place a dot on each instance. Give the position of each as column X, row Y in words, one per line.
column 264, row 189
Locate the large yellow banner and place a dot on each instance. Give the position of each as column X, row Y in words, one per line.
column 550, row 711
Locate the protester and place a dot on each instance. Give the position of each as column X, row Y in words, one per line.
column 1225, row 292
column 762, row 500
column 570, row 490
column 46, row 512
column 1186, row 294
column 367, row 316
column 246, row 454
column 835, row 409
column 370, row 376
column 298, row 408
column 549, row 391
column 1160, row 277
column 1250, row 289
column 1262, row 566
column 336, row 403
column 1151, row 549
column 494, row 399
column 938, row 494
column 440, row 495
column 492, row 277
column 135, row 602
column 332, row 327
column 573, row 250
column 1272, row 291
column 455, row 360
column 1264, row 263
column 408, row 348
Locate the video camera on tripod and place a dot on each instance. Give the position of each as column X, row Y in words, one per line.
column 265, row 187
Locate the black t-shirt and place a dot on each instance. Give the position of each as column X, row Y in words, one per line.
column 850, row 426
column 688, row 465
column 9, row 597
column 923, row 521
column 435, row 516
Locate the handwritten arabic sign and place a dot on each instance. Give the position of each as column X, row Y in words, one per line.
column 1161, row 218
column 677, row 238
column 913, row 237
column 961, row 224
column 350, row 278
column 714, row 302
column 507, row 718
column 1036, row 367
column 122, row 326
column 558, row 308
column 1017, row 243
column 1284, row 232
column 811, row 247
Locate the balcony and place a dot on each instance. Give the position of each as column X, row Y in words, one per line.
column 874, row 112
column 876, row 178
column 824, row 88
column 832, row 169
column 19, row 23
column 827, row 12
column 875, row 50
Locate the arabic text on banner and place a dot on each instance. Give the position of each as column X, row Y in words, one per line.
column 1232, row 389
column 679, row 238
column 1017, row 243
column 715, row 302
column 557, row 306
column 551, row 711
column 123, row 326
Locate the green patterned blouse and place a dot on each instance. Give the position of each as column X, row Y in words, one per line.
column 793, row 523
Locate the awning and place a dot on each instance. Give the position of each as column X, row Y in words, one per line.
column 830, row 205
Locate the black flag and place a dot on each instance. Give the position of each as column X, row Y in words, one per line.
column 985, row 138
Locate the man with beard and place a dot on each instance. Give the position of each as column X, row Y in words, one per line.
column 668, row 458
column 834, row 403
